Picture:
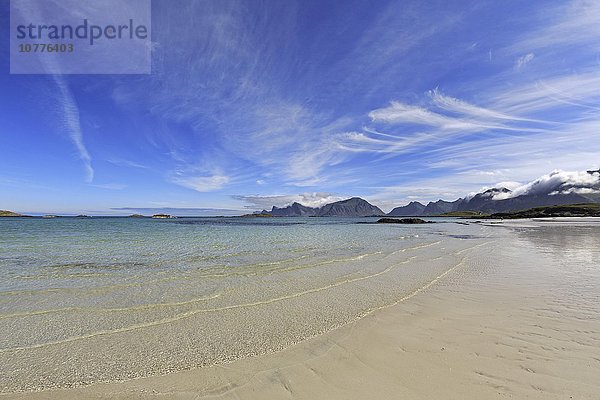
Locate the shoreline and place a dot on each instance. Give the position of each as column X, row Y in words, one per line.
column 485, row 330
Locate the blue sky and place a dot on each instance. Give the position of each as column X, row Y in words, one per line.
column 252, row 104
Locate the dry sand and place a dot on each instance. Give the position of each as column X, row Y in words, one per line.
column 520, row 318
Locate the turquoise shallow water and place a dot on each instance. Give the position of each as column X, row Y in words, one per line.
column 117, row 298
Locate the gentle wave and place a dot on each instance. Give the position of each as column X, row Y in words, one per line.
column 225, row 308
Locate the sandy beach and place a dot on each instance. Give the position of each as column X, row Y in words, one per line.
column 301, row 199
column 516, row 318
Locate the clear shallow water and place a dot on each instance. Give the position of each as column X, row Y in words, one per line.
column 86, row 300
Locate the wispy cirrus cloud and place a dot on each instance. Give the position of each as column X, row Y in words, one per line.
column 448, row 114
column 208, row 183
column 289, row 140
column 461, row 107
column 109, row 186
column 65, row 103
column 445, row 119
column 401, row 113
column 580, row 90
column 243, row 110
column 572, row 23
column 524, row 60
column 127, row 163
column 72, row 124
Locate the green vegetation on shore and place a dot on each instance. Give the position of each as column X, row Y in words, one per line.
column 572, row 210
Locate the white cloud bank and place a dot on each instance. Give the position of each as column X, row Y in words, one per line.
column 558, row 182
column 315, row 199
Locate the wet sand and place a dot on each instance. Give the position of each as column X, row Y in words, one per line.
column 519, row 317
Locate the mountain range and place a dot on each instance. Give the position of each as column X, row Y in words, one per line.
column 486, row 204
column 555, row 189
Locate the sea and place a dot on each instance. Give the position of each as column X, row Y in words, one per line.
column 101, row 299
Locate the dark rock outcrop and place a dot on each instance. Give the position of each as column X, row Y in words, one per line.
column 411, row 221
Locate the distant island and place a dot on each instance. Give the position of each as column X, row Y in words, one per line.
column 5, row 213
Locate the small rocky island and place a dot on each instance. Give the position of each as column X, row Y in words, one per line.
column 163, row 216
column 411, row 221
